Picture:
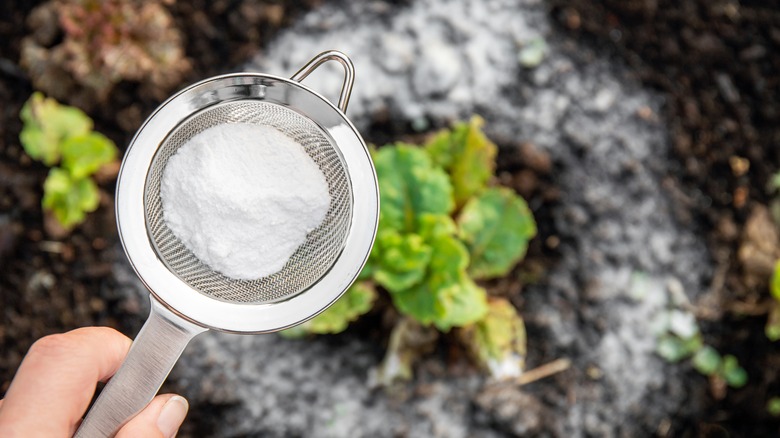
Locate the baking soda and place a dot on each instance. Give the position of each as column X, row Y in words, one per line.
column 242, row 198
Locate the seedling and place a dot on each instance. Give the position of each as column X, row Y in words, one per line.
column 59, row 134
column 676, row 345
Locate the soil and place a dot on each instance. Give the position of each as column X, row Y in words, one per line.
column 717, row 64
column 715, row 61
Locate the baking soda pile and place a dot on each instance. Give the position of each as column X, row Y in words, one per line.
column 243, row 198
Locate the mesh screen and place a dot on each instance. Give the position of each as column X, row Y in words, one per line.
column 312, row 259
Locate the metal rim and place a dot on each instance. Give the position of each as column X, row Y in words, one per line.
column 187, row 302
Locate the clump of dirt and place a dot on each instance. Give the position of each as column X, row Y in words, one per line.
column 717, row 63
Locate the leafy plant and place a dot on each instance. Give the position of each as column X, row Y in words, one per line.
column 681, row 341
column 55, row 133
column 102, row 43
column 442, row 228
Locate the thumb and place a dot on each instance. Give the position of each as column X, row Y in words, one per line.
column 160, row 419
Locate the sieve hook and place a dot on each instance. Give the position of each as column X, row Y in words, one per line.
column 349, row 73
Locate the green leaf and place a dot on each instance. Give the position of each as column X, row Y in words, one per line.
column 673, row 349
column 498, row 341
column 459, row 300
column 775, row 285
column 447, row 297
column 84, row 154
column 462, row 302
column 419, row 302
column 732, row 373
column 772, row 328
column 533, row 52
column 410, row 186
column 402, row 260
column 356, row 301
column 47, row 124
column 496, row 226
column 707, row 360
column 773, row 406
column 447, row 258
column 68, row 198
column 433, row 226
column 467, row 155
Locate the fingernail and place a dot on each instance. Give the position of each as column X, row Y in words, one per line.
column 172, row 415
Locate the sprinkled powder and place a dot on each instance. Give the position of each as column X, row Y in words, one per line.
column 243, row 198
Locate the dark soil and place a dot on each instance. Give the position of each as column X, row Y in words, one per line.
column 718, row 63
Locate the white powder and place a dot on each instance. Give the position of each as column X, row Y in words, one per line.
column 243, row 198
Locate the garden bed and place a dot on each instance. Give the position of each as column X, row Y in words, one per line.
column 622, row 139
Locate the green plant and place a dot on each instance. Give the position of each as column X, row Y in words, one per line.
column 356, row 301
column 442, row 228
column 773, row 406
column 772, row 329
column 684, row 341
column 55, row 133
column 103, row 42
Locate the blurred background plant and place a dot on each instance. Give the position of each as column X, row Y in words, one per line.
column 681, row 339
column 443, row 226
column 59, row 134
column 80, row 49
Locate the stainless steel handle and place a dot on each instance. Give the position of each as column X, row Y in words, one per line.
column 151, row 357
column 349, row 73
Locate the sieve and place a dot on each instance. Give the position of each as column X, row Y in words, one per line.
column 188, row 297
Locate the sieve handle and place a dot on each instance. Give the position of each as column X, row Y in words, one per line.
column 151, row 357
column 349, row 73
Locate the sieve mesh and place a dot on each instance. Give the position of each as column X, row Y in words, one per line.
column 312, row 259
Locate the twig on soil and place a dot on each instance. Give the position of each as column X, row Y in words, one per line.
column 546, row 370
column 51, row 246
column 747, row 308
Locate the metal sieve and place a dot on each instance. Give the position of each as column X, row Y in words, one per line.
column 310, row 261
column 187, row 296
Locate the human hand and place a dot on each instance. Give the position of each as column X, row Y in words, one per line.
column 56, row 381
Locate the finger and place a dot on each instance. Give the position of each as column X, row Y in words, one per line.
column 58, row 377
column 161, row 419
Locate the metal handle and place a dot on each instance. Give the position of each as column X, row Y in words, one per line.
column 349, row 73
column 151, row 357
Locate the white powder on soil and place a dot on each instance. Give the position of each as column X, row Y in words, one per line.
column 243, row 198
